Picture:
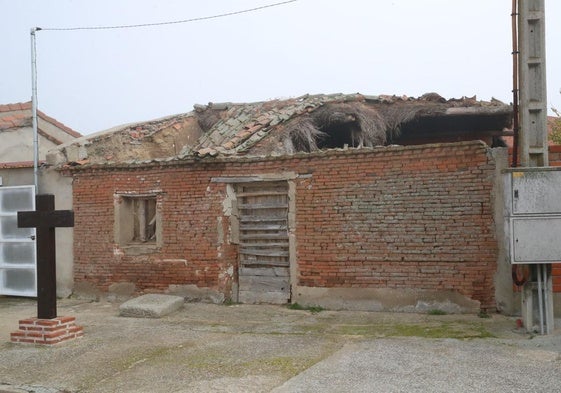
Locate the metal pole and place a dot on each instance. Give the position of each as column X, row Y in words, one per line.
column 515, row 126
column 540, row 296
column 546, row 290
column 34, row 109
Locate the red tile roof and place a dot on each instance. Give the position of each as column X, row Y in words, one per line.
column 262, row 128
column 18, row 164
column 18, row 106
column 16, row 120
column 246, row 124
column 21, row 119
column 243, row 125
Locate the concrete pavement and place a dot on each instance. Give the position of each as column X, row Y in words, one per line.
column 259, row 348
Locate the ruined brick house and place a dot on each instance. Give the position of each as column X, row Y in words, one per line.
column 344, row 201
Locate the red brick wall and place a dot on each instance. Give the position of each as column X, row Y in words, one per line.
column 555, row 160
column 400, row 217
column 555, row 155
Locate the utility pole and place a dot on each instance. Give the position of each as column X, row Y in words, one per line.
column 533, row 140
column 34, row 109
column 532, row 80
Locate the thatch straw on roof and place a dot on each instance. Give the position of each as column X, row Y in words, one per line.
column 304, row 135
column 314, row 123
column 397, row 115
column 366, row 126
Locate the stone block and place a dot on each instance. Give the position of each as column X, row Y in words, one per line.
column 151, row 306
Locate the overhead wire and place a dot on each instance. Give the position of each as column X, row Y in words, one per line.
column 165, row 23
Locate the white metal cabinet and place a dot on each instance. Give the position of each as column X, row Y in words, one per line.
column 18, row 256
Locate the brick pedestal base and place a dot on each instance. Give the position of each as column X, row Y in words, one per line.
column 47, row 331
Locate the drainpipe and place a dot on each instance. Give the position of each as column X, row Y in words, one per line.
column 515, row 52
column 34, row 109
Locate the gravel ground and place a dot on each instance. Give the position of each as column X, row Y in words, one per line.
column 435, row 365
column 244, row 348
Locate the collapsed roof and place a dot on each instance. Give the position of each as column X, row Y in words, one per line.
column 304, row 124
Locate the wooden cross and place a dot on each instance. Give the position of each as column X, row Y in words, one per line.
column 45, row 219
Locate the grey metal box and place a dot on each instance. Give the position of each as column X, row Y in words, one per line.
column 536, row 192
column 536, row 239
column 533, row 214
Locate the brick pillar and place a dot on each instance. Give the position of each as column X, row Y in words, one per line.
column 47, row 331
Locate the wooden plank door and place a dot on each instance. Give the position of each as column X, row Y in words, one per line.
column 264, row 250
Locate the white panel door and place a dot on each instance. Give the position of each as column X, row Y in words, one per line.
column 18, row 256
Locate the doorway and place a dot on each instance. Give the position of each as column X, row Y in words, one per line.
column 264, row 252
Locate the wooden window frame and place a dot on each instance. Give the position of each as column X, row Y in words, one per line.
column 138, row 222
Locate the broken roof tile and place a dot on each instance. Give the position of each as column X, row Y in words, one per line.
column 204, row 151
column 256, row 116
column 229, row 145
column 263, row 119
column 233, row 122
column 251, row 128
column 246, row 124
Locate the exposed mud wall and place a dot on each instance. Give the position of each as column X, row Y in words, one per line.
column 159, row 139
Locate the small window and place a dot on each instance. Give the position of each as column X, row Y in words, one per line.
column 144, row 216
column 137, row 220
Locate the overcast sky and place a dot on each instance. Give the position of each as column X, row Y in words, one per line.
column 96, row 79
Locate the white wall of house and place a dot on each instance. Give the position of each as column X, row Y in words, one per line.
column 16, row 147
column 51, row 182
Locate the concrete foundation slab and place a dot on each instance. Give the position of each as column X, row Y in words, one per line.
column 385, row 299
column 151, row 306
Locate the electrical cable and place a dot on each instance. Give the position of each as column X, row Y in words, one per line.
column 164, row 23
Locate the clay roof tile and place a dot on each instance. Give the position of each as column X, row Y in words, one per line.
column 24, row 106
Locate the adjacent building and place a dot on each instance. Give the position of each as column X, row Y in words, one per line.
column 17, row 189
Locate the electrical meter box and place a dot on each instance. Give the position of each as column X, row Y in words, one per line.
column 533, row 214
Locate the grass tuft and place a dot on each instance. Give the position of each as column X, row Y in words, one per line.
column 483, row 314
column 436, row 311
column 312, row 309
